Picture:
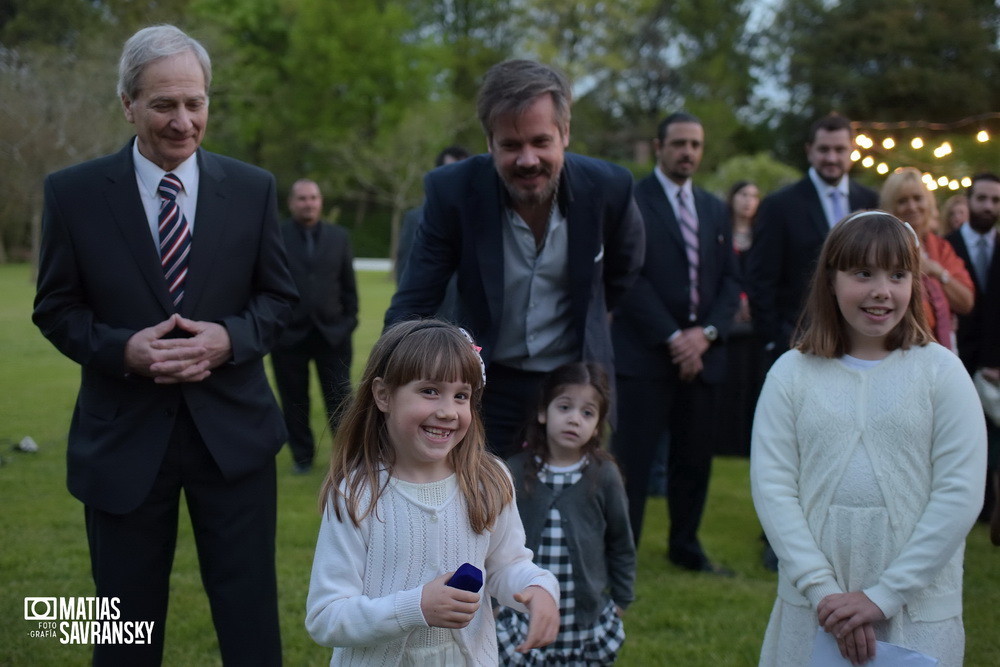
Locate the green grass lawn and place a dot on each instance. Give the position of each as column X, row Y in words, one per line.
column 677, row 619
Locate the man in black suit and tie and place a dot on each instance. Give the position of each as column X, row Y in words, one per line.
column 791, row 226
column 162, row 273
column 321, row 261
column 544, row 242
column 979, row 331
column 668, row 332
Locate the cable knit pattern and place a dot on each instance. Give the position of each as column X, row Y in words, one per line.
column 366, row 583
column 916, row 418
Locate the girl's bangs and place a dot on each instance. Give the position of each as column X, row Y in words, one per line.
column 434, row 354
column 882, row 242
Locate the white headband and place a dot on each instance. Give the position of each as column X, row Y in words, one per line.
column 861, row 214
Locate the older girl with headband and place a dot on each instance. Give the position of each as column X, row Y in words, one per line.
column 868, row 459
column 412, row 495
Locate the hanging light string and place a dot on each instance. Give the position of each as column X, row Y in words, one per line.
column 868, row 148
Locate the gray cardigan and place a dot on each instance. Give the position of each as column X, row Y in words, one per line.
column 595, row 521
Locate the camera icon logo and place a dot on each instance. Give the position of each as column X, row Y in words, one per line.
column 40, row 609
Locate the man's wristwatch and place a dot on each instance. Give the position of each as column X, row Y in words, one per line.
column 711, row 333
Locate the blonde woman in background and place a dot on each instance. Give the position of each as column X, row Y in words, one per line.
column 954, row 213
column 948, row 287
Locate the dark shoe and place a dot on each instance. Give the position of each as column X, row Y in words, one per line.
column 714, row 568
column 707, row 567
column 768, row 558
column 302, row 468
column 995, row 519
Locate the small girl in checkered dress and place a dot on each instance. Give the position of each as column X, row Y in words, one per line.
column 575, row 512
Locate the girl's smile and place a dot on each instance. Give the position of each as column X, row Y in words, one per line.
column 872, row 301
column 425, row 420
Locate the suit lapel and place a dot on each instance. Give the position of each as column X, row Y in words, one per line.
column 210, row 227
column 813, row 208
column 663, row 212
column 708, row 237
column 122, row 196
column 485, row 223
column 585, row 242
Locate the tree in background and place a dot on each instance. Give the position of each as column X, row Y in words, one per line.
column 882, row 60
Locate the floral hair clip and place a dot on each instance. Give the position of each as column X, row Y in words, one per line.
column 478, row 350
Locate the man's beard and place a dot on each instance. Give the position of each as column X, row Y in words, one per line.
column 532, row 197
column 981, row 223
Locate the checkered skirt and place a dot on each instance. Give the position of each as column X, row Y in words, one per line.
column 575, row 645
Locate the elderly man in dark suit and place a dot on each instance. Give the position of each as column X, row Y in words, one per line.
column 791, row 226
column 544, row 243
column 162, row 273
column 322, row 265
column 979, row 331
column 668, row 334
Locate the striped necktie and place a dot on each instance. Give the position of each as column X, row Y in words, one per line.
column 689, row 230
column 175, row 238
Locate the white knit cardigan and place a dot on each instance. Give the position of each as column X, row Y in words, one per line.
column 920, row 421
column 366, row 583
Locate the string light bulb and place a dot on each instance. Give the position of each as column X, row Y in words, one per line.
column 942, row 150
column 888, row 143
column 983, row 136
column 917, row 143
column 966, row 182
column 882, row 168
column 855, row 156
column 868, row 162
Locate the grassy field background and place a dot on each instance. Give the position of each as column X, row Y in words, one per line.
column 678, row 619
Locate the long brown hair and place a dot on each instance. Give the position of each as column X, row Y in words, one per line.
column 414, row 350
column 859, row 240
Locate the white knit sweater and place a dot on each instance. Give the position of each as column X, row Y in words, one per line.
column 921, row 425
column 367, row 581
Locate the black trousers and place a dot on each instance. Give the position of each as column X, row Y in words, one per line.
column 234, row 528
column 291, row 374
column 510, row 400
column 648, row 408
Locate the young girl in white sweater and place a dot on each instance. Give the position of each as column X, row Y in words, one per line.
column 868, row 459
column 411, row 495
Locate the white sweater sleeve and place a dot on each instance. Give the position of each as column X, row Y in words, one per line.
column 509, row 568
column 774, row 484
column 338, row 613
column 958, row 461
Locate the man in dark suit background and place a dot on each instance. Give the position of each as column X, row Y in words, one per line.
column 791, row 226
column 979, row 331
column 544, row 242
column 668, row 332
column 322, row 265
column 173, row 394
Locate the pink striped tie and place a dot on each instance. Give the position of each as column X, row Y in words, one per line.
column 175, row 238
column 689, row 230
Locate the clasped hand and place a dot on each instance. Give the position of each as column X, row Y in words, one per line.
column 685, row 351
column 175, row 360
column 849, row 618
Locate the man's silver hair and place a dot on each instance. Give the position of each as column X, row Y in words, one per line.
column 152, row 44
